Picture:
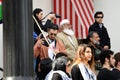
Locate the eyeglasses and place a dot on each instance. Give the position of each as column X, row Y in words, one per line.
column 53, row 34
column 99, row 17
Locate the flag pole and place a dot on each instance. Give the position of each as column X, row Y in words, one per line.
column 43, row 34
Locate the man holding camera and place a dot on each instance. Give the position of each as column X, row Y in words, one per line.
column 45, row 50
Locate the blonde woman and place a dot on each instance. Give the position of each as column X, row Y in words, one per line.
column 83, row 67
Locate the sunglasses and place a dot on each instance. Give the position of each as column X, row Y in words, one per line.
column 53, row 34
column 99, row 17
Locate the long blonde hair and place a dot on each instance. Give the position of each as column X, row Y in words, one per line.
column 80, row 56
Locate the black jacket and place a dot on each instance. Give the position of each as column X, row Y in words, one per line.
column 116, row 73
column 103, row 34
column 43, row 27
column 75, row 73
column 105, row 74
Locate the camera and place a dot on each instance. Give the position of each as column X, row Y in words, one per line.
column 56, row 15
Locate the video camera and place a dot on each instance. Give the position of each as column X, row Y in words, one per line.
column 56, row 15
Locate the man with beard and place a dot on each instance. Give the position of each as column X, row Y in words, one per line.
column 68, row 38
column 108, row 61
column 93, row 39
column 43, row 50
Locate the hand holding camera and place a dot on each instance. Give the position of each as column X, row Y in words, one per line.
column 52, row 16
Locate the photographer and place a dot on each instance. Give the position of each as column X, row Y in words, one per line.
column 55, row 46
column 38, row 14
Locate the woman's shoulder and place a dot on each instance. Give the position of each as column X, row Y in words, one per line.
column 75, row 67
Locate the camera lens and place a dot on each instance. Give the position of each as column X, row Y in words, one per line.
column 57, row 16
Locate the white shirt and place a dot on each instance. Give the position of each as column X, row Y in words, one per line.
column 51, row 54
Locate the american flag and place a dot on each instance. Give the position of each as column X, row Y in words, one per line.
column 79, row 12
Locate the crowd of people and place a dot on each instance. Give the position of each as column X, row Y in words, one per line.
column 58, row 56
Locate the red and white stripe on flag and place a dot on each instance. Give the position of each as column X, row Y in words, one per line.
column 79, row 12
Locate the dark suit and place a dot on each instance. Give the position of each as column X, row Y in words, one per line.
column 103, row 34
